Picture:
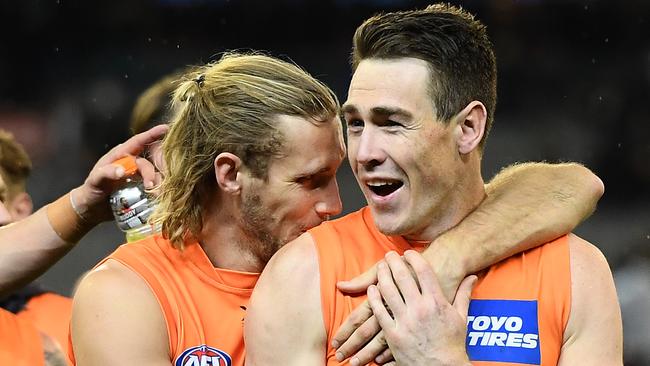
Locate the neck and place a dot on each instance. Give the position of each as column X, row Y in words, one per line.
column 467, row 195
column 225, row 244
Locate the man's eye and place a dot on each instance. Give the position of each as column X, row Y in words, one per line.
column 391, row 123
column 303, row 180
column 313, row 181
column 355, row 124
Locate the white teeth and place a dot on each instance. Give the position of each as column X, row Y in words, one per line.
column 379, row 184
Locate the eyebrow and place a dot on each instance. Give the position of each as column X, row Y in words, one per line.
column 381, row 110
column 349, row 108
column 391, row 111
column 322, row 170
column 311, row 172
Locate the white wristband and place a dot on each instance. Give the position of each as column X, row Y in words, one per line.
column 74, row 207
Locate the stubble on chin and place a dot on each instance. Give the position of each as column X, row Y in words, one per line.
column 257, row 224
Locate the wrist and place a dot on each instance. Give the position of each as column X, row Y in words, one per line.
column 449, row 267
column 90, row 206
column 81, row 208
column 444, row 256
column 67, row 220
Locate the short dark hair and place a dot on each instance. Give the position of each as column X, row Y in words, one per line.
column 455, row 46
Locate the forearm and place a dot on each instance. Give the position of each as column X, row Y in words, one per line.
column 29, row 247
column 526, row 205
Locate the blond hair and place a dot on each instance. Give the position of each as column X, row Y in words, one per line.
column 153, row 105
column 15, row 165
column 229, row 106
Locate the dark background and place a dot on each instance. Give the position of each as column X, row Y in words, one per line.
column 574, row 81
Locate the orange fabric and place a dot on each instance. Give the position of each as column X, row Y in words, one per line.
column 348, row 246
column 50, row 313
column 20, row 343
column 204, row 307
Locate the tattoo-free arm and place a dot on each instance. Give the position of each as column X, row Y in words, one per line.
column 116, row 320
column 594, row 332
column 526, row 205
column 30, row 246
column 284, row 322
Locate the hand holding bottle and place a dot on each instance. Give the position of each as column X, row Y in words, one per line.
column 91, row 198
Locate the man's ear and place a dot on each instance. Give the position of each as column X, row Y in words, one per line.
column 21, row 206
column 470, row 127
column 227, row 169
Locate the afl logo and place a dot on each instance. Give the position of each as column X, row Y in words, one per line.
column 203, row 356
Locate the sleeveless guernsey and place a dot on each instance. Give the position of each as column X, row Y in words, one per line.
column 50, row 313
column 203, row 306
column 519, row 307
column 20, row 343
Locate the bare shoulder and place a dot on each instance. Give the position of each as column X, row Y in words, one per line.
column 115, row 302
column 591, row 277
column 113, row 285
column 583, row 253
column 285, row 309
column 594, row 331
column 292, row 269
column 109, row 276
column 298, row 256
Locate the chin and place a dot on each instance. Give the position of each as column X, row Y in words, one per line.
column 388, row 227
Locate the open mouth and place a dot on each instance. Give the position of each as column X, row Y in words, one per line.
column 384, row 189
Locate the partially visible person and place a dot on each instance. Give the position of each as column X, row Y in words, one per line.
column 15, row 168
column 250, row 163
column 420, row 106
column 21, row 343
column 153, row 106
column 48, row 311
column 29, row 247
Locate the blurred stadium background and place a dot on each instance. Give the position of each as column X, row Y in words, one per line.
column 574, row 85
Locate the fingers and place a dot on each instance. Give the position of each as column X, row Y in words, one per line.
column 103, row 173
column 378, row 344
column 402, row 276
column 463, row 295
column 150, row 177
column 357, row 329
column 385, row 357
column 135, row 144
column 362, row 342
column 389, row 290
column 426, row 278
column 374, row 348
column 384, row 318
column 359, row 283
